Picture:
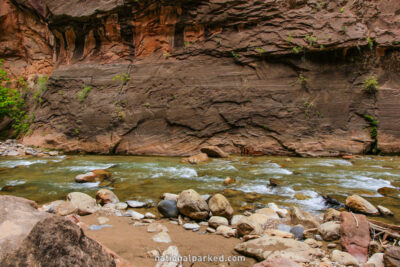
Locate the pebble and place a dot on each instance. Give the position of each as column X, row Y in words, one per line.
column 191, row 226
column 210, row 230
column 148, row 220
column 134, row 214
column 149, row 215
column 318, row 237
column 331, row 245
column 162, row 237
column 173, row 222
column 136, row 204
column 121, row 206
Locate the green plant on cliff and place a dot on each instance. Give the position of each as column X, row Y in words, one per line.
column 235, row 56
column 302, row 81
column 370, row 43
column 311, row 39
column 12, row 103
column 373, row 124
column 41, row 87
column 84, row 93
column 124, row 78
column 371, row 85
column 260, row 50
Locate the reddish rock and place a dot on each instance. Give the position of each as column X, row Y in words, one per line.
column 277, row 262
column 391, row 257
column 355, row 235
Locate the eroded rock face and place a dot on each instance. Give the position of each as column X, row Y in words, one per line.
column 55, row 241
column 17, row 217
column 205, row 55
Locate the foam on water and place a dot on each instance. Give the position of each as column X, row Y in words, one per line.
column 175, row 172
column 267, row 190
column 89, row 166
column 364, row 182
column 15, row 182
column 82, row 185
column 15, row 163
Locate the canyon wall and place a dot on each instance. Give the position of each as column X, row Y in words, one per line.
column 282, row 77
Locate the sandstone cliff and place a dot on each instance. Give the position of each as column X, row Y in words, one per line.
column 166, row 77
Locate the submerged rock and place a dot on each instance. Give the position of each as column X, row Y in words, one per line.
column 192, row 205
column 214, row 152
column 274, row 182
column 220, row 206
column 168, row 208
column 229, row 180
column 359, row 204
column 93, row 176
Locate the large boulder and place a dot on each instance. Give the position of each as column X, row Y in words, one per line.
column 93, row 176
column 361, row 205
column 355, row 235
column 391, row 257
column 304, row 218
column 17, row 217
column 55, row 241
column 330, row 230
column 105, row 196
column 192, row 205
column 220, row 206
column 214, row 152
column 273, row 247
column 84, row 203
column 168, row 208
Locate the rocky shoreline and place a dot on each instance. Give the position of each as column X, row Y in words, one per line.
column 12, row 148
column 271, row 235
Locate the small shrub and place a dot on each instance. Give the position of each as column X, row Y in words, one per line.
column 372, row 121
column 371, row 85
column 124, row 78
column 235, row 56
column 260, row 50
column 302, row 81
column 84, row 93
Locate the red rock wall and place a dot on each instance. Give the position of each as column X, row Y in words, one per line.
column 218, row 72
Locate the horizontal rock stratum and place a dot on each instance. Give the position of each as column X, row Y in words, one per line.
column 168, row 77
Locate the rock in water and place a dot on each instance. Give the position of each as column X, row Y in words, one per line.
column 330, row 230
column 384, row 211
column 192, row 205
column 303, row 217
column 168, row 208
column 196, row 159
column 220, row 206
column 273, row 247
column 84, row 203
column 93, row 176
column 391, row 257
column 344, row 258
column 214, row 152
column 355, row 235
column 55, row 241
column 105, row 196
column 274, row 182
column 359, row 204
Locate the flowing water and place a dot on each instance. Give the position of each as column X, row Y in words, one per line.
column 304, row 180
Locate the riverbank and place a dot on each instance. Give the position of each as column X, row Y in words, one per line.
column 206, row 226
